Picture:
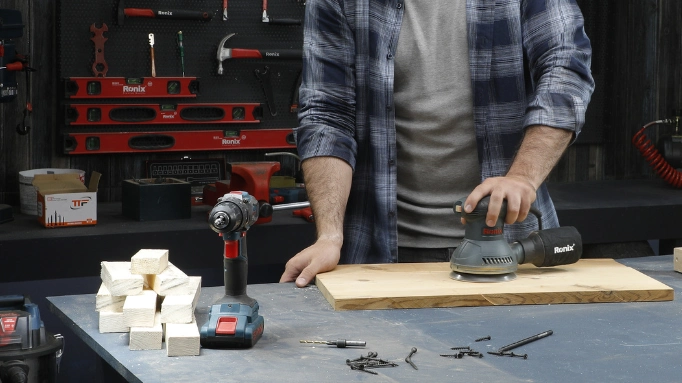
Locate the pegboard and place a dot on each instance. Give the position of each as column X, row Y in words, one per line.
column 127, row 54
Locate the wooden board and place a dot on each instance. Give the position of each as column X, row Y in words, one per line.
column 421, row 285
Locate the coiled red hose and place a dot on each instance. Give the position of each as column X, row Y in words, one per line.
column 655, row 158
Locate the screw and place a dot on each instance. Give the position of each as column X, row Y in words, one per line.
column 460, row 348
column 487, row 337
column 408, row 359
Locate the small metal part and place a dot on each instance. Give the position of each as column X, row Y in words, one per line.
column 182, row 52
column 461, row 348
column 340, row 343
column 525, row 341
column 510, row 354
column 456, row 356
column 408, row 359
column 487, row 337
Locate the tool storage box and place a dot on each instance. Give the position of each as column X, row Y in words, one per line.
column 155, row 199
column 63, row 200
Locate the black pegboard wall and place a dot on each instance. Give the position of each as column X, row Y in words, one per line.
column 127, row 54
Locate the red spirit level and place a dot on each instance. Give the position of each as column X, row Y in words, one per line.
column 133, row 87
column 129, row 142
column 122, row 114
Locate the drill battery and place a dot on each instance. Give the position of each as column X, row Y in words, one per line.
column 232, row 325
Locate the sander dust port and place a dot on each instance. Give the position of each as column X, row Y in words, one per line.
column 28, row 353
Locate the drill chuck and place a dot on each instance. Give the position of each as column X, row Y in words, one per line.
column 235, row 211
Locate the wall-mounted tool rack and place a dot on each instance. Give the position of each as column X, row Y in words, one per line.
column 104, row 57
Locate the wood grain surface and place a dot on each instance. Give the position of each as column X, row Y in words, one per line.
column 422, row 285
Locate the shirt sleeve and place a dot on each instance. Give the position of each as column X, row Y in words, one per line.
column 327, row 93
column 559, row 55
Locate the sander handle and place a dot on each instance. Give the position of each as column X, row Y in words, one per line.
column 550, row 247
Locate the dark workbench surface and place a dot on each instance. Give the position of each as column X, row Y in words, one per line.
column 631, row 342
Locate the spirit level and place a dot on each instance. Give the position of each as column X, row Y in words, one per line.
column 122, row 114
column 173, row 141
column 132, row 87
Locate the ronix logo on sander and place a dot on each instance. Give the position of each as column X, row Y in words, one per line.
column 79, row 203
column 563, row 249
column 492, row 231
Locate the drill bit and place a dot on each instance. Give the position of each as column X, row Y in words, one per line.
column 182, row 53
column 224, row 10
column 151, row 44
column 338, row 343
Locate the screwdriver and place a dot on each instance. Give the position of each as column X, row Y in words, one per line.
column 182, row 52
column 340, row 343
column 151, row 44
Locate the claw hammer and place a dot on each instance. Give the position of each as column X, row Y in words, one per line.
column 240, row 53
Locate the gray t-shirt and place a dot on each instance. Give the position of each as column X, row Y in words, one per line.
column 436, row 142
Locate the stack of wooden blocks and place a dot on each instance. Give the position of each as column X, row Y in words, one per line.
column 152, row 300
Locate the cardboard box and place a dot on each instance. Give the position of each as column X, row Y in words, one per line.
column 63, row 200
column 155, row 199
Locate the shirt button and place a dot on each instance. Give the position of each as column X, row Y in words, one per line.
column 400, row 5
column 391, row 213
column 389, row 56
column 389, row 107
column 391, row 162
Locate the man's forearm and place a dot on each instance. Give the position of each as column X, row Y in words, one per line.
column 540, row 150
column 328, row 181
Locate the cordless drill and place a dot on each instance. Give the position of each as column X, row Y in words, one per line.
column 485, row 256
column 233, row 321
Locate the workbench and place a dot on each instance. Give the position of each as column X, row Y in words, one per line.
column 630, row 342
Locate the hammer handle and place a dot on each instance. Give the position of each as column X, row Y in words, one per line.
column 291, row 54
column 178, row 14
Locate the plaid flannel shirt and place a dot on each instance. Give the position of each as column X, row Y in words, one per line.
column 530, row 65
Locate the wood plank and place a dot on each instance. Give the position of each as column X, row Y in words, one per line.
column 182, row 339
column 140, row 310
column 104, row 301
column 149, row 261
column 147, row 338
column 422, row 285
column 118, row 279
column 171, row 281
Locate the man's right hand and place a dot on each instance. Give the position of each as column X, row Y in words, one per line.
column 322, row 256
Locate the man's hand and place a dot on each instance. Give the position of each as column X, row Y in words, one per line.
column 518, row 192
column 322, row 256
column 540, row 150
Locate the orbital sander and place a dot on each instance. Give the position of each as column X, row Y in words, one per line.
column 485, row 255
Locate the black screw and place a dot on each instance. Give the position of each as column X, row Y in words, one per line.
column 460, row 348
column 487, row 337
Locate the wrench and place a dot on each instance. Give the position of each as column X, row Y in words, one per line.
column 99, row 67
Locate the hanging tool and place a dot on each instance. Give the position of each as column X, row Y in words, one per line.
column 265, row 83
column 295, row 93
column 130, row 87
column 151, row 52
column 340, row 343
column 485, row 256
column 224, row 10
column 99, row 67
column 270, row 20
column 177, row 14
column 240, row 53
column 234, row 321
column 182, row 53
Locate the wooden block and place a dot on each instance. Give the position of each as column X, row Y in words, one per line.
column 171, row 281
column 110, row 321
column 182, row 339
column 180, row 308
column 119, row 280
column 419, row 285
column 104, row 301
column 149, row 261
column 147, row 338
column 677, row 259
column 140, row 310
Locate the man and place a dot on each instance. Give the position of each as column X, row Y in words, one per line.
column 407, row 105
